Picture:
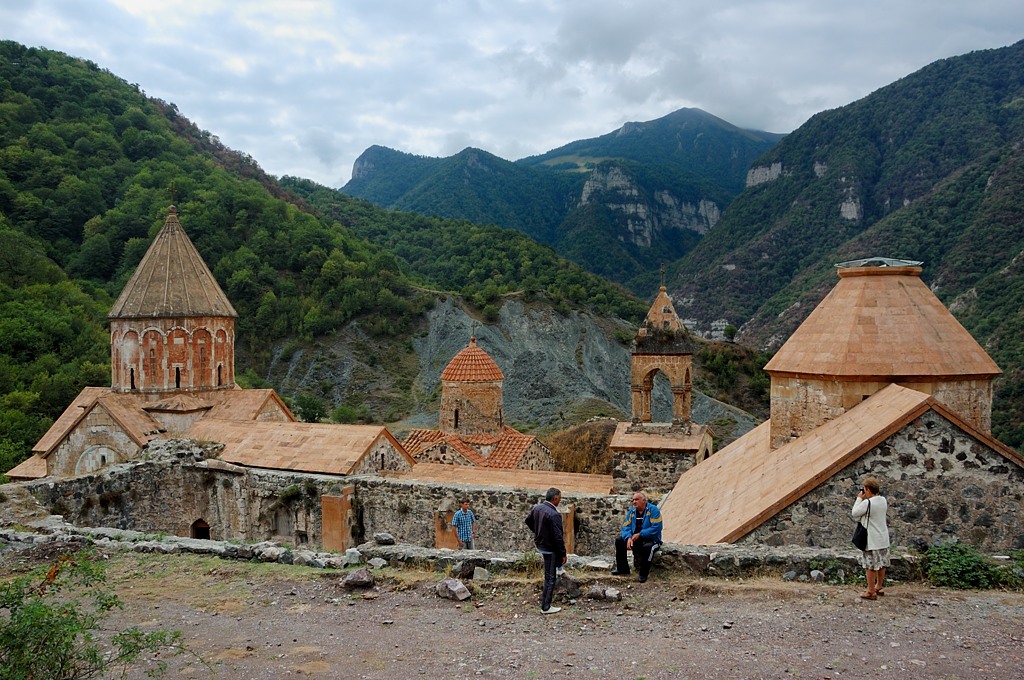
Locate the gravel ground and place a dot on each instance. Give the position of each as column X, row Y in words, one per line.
column 269, row 621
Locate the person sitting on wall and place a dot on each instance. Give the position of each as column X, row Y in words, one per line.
column 640, row 533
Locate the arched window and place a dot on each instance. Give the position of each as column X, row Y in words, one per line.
column 131, row 377
column 177, row 377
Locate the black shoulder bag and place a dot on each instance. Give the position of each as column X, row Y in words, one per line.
column 860, row 534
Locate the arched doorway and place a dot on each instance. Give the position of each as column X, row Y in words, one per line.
column 200, row 529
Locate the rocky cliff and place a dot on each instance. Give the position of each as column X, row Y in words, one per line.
column 559, row 370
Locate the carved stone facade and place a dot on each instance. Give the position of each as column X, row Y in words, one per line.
column 941, row 484
column 195, row 353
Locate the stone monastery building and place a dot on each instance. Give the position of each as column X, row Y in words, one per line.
column 880, row 379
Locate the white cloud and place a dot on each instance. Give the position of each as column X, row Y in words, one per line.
column 305, row 86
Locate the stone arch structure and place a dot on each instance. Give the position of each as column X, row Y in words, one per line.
column 94, row 458
column 677, row 367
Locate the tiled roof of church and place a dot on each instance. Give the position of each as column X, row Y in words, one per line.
column 882, row 321
column 172, row 280
column 419, row 439
column 472, row 364
column 510, row 449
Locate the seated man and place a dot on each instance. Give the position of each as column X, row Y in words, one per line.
column 641, row 533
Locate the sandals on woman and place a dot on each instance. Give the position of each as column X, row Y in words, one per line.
column 869, row 596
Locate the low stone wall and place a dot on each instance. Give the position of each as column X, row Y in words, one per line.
column 726, row 561
column 406, row 509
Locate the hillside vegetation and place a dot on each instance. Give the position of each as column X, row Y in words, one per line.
column 88, row 167
column 928, row 168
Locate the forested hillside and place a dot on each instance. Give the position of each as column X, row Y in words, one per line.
column 929, row 168
column 619, row 205
column 88, row 167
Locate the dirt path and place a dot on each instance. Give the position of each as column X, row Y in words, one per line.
column 262, row 621
column 257, row 621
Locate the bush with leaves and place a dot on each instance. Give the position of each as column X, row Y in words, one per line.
column 50, row 626
column 955, row 565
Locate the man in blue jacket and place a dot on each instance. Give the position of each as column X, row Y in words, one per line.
column 640, row 533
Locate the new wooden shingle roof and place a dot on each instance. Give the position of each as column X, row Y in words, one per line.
column 303, row 447
column 882, row 322
column 747, row 483
column 172, row 280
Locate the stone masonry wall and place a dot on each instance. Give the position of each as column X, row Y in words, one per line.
column 405, row 509
column 651, row 471
column 256, row 505
column 940, row 484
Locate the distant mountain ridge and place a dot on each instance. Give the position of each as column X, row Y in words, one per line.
column 928, row 168
column 618, row 204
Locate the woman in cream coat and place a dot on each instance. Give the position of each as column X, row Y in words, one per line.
column 870, row 510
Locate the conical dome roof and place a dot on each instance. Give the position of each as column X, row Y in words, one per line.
column 472, row 364
column 882, row 322
column 172, row 280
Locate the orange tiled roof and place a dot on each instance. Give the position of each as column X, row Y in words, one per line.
column 472, row 364
column 510, row 449
column 533, row 480
column 746, row 483
column 172, row 280
column 239, row 404
column 420, row 439
column 882, row 322
column 305, row 447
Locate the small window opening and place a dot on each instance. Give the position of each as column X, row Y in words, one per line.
column 177, row 378
column 456, row 418
column 131, row 378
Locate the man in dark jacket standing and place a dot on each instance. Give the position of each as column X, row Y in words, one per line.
column 546, row 525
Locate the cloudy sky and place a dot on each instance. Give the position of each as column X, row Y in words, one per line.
column 304, row 86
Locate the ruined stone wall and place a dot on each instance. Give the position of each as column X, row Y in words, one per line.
column 406, row 508
column 96, row 431
column 250, row 505
column 940, row 483
column 652, row 471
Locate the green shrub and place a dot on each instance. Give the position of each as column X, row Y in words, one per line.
column 50, row 621
column 955, row 565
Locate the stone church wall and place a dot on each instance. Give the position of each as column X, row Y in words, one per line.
column 940, row 483
column 97, row 429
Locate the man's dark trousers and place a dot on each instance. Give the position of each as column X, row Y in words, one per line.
column 551, row 564
column 643, row 551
